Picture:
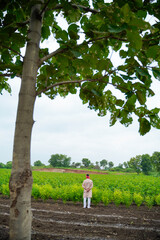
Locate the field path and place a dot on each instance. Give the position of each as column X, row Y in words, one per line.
column 55, row 220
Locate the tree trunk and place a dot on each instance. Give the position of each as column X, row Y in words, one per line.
column 21, row 175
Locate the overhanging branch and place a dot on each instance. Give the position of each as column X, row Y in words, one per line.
column 59, row 50
column 12, row 50
column 74, row 81
column 86, row 9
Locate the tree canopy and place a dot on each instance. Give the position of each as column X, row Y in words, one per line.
column 59, row 160
column 83, row 59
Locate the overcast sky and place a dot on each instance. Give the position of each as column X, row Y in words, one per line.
column 66, row 126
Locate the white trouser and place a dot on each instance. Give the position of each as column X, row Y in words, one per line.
column 85, row 202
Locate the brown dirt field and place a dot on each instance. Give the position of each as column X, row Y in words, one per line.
column 68, row 171
column 55, row 220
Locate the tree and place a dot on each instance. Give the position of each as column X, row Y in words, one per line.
column 79, row 62
column 9, row 165
column 59, row 160
column 125, row 164
column 77, row 164
column 97, row 166
column 146, row 164
column 38, row 163
column 120, row 165
column 156, row 161
column 110, row 164
column 2, row 165
column 135, row 163
column 103, row 163
column 86, row 162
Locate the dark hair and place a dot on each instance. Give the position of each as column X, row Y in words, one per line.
column 87, row 174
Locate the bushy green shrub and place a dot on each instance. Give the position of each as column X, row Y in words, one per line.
column 107, row 197
column 138, row 199
column 127, row 198
column 149, row 201
column 96, row 195
column 157, row 199
column 117, row 197
column 5, row 189
column 36, row 191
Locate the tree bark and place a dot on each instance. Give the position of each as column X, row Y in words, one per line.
column 21, row 175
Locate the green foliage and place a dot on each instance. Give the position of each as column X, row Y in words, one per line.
column 9, row 165
column 83, row 60
column 107, row 197
column 149, row 201
column 155, row 159
column 146, row 164
column 135, row 163
column 138, row 199
column 5, row 189
column 119, row 189
column 59, row 160
column 38, row 163
column 127, row 198
column 86, row 162
column 2, row 165
column 157, row 199
column 117, row 197
column 97, row 196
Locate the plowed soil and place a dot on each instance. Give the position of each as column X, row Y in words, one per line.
column 55, row 220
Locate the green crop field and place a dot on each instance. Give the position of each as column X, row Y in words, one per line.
column 117, row 189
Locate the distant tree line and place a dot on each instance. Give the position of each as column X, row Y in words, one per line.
column 145, row 163
column 60, row 160
column 7, row 165
column 140, row 163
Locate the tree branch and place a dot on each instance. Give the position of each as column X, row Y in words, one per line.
column 12, row 50
column 5, row 74
column 59, row 50
column 76, row 81
column 86, row 9
column 9, row 75
column 44, row 8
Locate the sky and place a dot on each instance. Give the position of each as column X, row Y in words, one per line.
column 66, row 126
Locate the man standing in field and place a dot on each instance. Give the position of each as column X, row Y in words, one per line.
column 87, row 194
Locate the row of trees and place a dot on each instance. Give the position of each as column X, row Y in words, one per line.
column 7, row 165
column 145, row 163
column 61, row 160
column 141, row 163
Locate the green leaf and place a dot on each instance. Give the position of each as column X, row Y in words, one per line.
column 145, row 126
column 116, row 29
column 95, row 92
column 131, row 102
column 126, row 12
column 73, row 30
column 127, row 77
column 141, row 13
column 156, row 73
column 119, row 102
column 135, row 39
column 45, row 32
column 123, row 54
column 141, row 97
column 142, row 71
column 76, row 53
column 153, row 51
column 62, row 34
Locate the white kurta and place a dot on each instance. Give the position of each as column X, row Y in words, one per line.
column 87, row 185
